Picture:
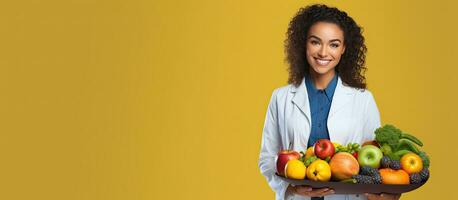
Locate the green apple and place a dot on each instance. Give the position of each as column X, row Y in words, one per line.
column 370, row 155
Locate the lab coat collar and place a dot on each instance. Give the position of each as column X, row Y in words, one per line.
column 342, row 96
column 301, row 99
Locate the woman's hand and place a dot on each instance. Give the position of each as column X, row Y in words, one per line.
column 309, row 191
column 382, row 196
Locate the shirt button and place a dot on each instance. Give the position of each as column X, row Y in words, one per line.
column 321, row 108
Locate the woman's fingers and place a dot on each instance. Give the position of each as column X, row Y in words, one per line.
column 390, row 196
column 317, row 192
column 324, row 193
column 382, row 196
column 371, row 196
column 309, row 191
column 303, row 189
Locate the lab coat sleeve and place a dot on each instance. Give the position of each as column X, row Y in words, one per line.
column 372, row 118
column 270, row 146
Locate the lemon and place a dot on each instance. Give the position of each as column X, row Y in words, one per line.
column 295, row 169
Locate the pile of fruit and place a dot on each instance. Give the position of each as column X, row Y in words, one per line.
column 393, row 158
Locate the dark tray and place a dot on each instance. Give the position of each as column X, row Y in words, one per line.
column 355, row 188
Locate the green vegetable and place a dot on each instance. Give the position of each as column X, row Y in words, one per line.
column 388, row 134
column 425, row 158
column 392, row 141
column 405, row 144
column 412, row 138
column 400, row 153
column 386, row 149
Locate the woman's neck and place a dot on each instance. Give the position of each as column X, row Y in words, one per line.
column 321, row 81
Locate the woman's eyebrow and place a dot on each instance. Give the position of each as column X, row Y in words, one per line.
column 316, row 37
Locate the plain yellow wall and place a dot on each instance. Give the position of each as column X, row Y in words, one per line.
column 138, row 99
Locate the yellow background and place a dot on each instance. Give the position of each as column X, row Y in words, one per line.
column 166, row 99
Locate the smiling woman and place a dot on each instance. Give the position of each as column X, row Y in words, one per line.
column 317, row 31
column 324, row 50
column 326, row 97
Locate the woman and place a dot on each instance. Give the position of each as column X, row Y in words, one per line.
column 326, row 96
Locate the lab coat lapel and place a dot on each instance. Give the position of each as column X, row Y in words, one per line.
column 301, row 99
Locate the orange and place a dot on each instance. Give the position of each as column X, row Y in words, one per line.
column 396, row 177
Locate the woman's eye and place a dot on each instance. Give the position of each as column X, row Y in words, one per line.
column 334, row 45
column 314, row 42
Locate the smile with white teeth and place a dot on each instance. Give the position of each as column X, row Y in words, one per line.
column 322, row 61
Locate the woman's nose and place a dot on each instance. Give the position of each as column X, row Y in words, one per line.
column 322, row 52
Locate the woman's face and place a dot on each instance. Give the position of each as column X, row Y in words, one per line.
column 325, row 46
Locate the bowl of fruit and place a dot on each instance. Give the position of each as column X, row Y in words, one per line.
column 392, row 163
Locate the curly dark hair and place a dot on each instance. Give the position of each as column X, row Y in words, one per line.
column 351, row 66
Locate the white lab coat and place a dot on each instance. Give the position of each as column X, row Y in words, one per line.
column 353, row 118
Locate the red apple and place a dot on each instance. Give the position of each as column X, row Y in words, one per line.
column 283, row 157
column 324, row 149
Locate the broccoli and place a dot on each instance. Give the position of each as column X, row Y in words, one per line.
column 388, row 134
column 392, row 140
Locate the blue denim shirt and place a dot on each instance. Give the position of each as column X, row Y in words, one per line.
column 320, row 104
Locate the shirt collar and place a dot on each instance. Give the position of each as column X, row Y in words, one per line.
column 329, row 90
